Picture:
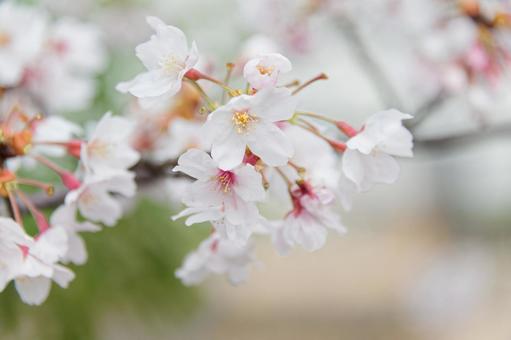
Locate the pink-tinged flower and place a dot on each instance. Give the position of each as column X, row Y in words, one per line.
column 167, row 59
column 216, row 255
column 368, row 158
column 95, row 198
column 12, row 240
column 54, row 129
column 22, row 32
column 224, row 197
column 249, row 121
column 38, row 267
column 65, row 217
column 77, row 46
column 56, row 88
column 108, row 148
column 264, row 70
column 307, row 224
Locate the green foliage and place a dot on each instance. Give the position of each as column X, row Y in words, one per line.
column 131, row 267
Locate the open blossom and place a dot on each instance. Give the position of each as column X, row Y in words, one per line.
column 249, row 121
column 108, row 148
column 77, row 46
column 264, row 70
column 22, row 32
column 95, row 199
column 306, row 225
column 12, row 239
column 38, row 266
column 368, row 158
column 65, row 217
column 216, row 255
column 56, row 88
column 54, row 129
column 224, row 197
column 181, row 135
column 167, row 59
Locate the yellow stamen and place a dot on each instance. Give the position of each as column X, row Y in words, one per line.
column 265, row 70
column 171, row 65
column 242, row 121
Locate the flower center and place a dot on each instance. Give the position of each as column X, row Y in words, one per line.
column 225, row 180
column 99, row 149
column 265, row 70
column 242, row 121
column 172, row 65
column 5, row 39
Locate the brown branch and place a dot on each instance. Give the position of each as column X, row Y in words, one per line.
column 426, row 110
column 385, row 88
column 446, row 143
column 145, row 173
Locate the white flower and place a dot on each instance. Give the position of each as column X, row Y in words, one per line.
column 249, row 121
column 94, row 197
column 216, row 255
column 12, row 239
column 315, row 155
column 368, row 158
column 182, row 135
column 65, row 217
column 54, row 129
column 56, row 88
column 264, row 71
column 22, row 31
column 306, row 225
column 39, row 266
column 108, row 148
column 167, row 59
column 225, row 197
column 77, row 46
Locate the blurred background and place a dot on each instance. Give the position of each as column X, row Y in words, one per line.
column 427, row 258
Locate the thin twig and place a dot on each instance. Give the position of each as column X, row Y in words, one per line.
column 386, row 91
column 446, row 143
column 426, row 110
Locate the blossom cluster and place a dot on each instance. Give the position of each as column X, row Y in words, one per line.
column 469, row 47
column 52, row 65
column 49, row 68
column 250, row 162
column 256, row 148
column 92, row 194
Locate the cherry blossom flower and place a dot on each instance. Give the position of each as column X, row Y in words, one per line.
column 368, row 158
column 77, row 46
column 249, row 121
column 65, row 217
column 20, row 42
column 108, row 147
column 56, row 130
column 167, row 59
column 306, row 225
column 264, row 70
column 225, row 197
column 39, row 267
column 181, row 135
column 94, row 197
column 216, row 255
column 56, row 88
column 12, row 239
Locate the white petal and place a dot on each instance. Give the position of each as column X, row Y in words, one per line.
column 271, row 144
column 33, row 290
column 274, row 104
column 249, row 184
column 229, row 151
column 197, row 164
column 148, row 84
